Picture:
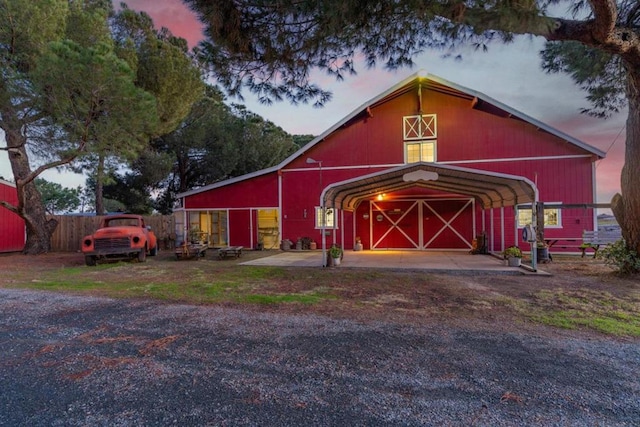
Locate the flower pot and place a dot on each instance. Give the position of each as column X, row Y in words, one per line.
column 543, row 254
column 335, row 261
column 313, row 246
column 514, row 261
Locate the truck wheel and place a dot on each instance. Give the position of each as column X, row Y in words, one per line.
column 154, row 250
column 142, row 255
column 90, row 260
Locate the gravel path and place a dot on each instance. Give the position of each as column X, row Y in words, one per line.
column 78, row 361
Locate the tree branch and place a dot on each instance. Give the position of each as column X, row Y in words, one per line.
column 606, row 14
column 9, row 206
column 35, row 173
column 600, row 34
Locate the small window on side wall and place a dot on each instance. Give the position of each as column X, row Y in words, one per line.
column 329, row 217
column 552, row 216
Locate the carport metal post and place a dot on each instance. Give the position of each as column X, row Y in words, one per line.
column 323, row 226
column 323, row 230
column 534, row 245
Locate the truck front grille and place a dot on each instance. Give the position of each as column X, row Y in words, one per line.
column 113, row 243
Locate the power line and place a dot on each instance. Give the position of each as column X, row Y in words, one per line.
column 612, row 143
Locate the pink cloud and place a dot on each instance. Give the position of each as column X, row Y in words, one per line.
column 174, row 15
column 606, row 135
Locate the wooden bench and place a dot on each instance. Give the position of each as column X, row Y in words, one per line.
column 595, row 239
column 230, row 252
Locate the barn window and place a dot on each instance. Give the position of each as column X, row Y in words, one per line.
column 329, row 217
column 552, row 217
column 424, row 151
column 419, row 135
column 420, row 127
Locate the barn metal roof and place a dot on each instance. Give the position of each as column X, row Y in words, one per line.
column 490, row 189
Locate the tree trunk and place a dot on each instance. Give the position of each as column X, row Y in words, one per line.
column 626, row 206
column 100, row 186
column 30, row 207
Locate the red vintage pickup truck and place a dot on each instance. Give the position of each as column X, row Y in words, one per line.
column 120, row 237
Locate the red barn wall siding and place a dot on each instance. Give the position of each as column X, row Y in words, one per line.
column 12, row 229
column 464, row 133
column 567, row 181
column 301, row 195
column 497, row 241
column 261, row 191
column 347, row 231
column 470, row 135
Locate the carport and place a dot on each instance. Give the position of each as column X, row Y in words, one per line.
column 490, row 189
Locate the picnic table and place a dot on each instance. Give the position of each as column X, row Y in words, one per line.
column 589, row 240
column 191, row 250
column 230, row 252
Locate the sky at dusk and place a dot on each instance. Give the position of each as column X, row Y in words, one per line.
column 510, row 74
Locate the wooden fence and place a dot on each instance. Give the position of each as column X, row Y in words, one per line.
column 71, row 229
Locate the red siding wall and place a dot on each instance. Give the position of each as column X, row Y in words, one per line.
column 261, row 191
column 12, row 231
column 464, row 133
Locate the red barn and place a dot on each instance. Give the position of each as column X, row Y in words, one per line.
column 12, row 231
column 426, row 165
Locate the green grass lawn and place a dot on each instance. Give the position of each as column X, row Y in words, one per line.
column 587, row 300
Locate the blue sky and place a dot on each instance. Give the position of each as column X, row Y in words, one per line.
column 510, row 74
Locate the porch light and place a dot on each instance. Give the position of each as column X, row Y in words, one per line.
column 312, row 161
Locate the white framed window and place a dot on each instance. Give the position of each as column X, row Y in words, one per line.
column 420, row 151
column 329, row 217
column 552, row 216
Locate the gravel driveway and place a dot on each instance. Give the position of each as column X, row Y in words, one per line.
column 77, row 361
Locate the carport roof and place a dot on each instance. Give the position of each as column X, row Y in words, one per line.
column 490, row 189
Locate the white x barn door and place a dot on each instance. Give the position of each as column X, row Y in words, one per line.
column 422, row 224
column 447, row 224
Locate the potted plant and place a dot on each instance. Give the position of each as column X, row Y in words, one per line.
column 335, row 252
column 542, row 252
column 513, row 254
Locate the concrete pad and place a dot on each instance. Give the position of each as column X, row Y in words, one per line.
column 450, row 262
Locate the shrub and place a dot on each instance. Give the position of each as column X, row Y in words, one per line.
column 617, row 255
